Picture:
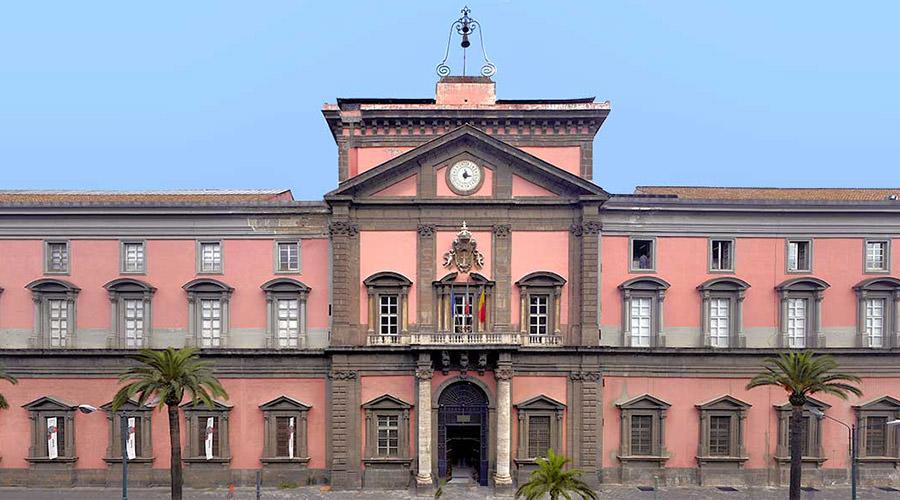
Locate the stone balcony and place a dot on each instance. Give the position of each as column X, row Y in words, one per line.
column 465, row 339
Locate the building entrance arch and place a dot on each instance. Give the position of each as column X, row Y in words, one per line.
column 463, row 410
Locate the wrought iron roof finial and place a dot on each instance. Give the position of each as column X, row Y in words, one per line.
column 465, row 26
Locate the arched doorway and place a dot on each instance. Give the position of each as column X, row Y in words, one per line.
column 463, row 433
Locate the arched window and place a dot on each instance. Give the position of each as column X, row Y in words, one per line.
column 539, row 305
column 879, row 304
column 208, row 320
column 722, row 312
column 130, row 301
column 54, row 313
column 286, row 313
column 460, row 311
column 642, row 312
column 388, row 307
column 801, row 312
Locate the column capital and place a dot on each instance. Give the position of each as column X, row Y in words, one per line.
column 503, row 372
column 424, row 373
column 426, row 230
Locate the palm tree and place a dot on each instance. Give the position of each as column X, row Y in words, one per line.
column 552, row 478
column 12, row 380
column 164, row 377
column 802, row 374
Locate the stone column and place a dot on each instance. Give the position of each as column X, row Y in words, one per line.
column 424, row 372
column 504, row 377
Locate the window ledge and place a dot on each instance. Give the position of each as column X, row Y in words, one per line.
column 204, row 460
column 284, row 460
column 387, row 460
column 816, row 460
column 643, row 458
column 136, row 460
column 45, row 460
column 894, row 460
column 722, row 459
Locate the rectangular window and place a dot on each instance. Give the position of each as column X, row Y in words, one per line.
column 203, row 422
column 288, row 323
column 719, row 322
column 134, row 323
column 210, row 323
column 642, row 258
column 641, row 435
column 804, row 437
column 876, row 436
column 875, row 322
column 57, row 257
column 876, row 255
column 796, row 323
column 388, row 317
column 462, row 312
column 133, row 257
column 60, row 426
column 720, row 436
column 538, row 436
column 58, row 322
column 721, row 255
column 288, row 256
column 641, row 321
column 537, row 314
column 210, row 257
column 285, row 432
column 388, row 435
column 799, row 256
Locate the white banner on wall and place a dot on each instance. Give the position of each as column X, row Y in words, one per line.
column 52, row 447
column 210, row 429
column 291, row 439
column 131, row 437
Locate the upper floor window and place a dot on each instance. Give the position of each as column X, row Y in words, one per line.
column 54, row 303
column 799, row 256
column 208, row 312
column 56, row 257
column 132, row 258
column 287, row 256
column 801, row 316
column 387, row 428
column 285, row 436
column 388, row 307
column 131, row 313
column 877, row 256
column 721, row 255
column 540, row 295
column 540, row 426
column 642, row 319
column 722, row 311
column 209, row 257
column 643, row 254
column 877, row 439
column 878, row 306
column 286, row 324
column 464, row 307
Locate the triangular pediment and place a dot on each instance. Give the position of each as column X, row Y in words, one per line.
column 472, row 142
column 201, row 406
column 130, row 405
column 810, row 403
column 643, row 402
column 725, row 402
column 881, row 403
column 541, row 402
column 285, row 403
column 49, row 403
column 387, row 402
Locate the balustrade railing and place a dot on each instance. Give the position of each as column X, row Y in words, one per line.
column 466, row 338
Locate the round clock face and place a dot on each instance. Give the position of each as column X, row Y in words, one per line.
column 465, row 176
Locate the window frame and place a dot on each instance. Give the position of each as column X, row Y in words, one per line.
column 787, row 255
column 644, row 405
column 813, row 291
column 280, row 407
column 207, row 289
column 387, row 283
column 887, row 256
column 199, row 256
column 277, row 290
column 123, row 256
column 387, row 405
column 195, row 420
column 814, row 431
column 114, row 444
column 654, row 249
column 733, row 290
column 39, row 410
column 541, row 283
column 538, row 406
column 884, row 407
column 447, row 286
column 885, row 288
column 43, row 291
column 47, row 255
column 723, row 406
column 644, row 287
column 276, row 244
column 709, row 263
column 121, row 290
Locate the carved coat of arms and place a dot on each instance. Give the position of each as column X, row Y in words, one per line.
column 464, row 252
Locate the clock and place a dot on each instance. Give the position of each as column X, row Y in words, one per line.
column 464, row 177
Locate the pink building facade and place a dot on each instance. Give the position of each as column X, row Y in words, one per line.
column 466, row 298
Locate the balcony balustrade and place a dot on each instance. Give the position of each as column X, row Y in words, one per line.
column 465, row 338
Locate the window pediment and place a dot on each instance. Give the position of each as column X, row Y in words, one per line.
column 129, row 285
column 49, row 403
column 879, row 284
column 130, row 405
column 882, row 403
column 541, row 402
column 49, row 285
column 724, row 402
column 810, row 403
column 387, row 279
column 804, row 284
column 285, row 285
column 644, row 401
column 541, row 279
column 200, row 406
column 284, row 403
column 207, row 285
column 474, row 279
column 387, row 402
column 648, row 283
column 723, row 285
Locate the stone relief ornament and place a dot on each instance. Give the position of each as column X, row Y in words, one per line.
column 586, row 376
column 343, row 228
column 342, row 375
column 464, row 253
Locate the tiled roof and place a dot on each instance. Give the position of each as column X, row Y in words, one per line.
column 768, row 193
column 202, row 196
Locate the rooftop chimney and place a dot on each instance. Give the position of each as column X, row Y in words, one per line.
column 466, row 91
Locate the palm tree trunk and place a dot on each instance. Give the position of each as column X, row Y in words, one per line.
column 796, row 451
column 175, row 445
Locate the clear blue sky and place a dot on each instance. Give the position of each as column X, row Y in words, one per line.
column 227, row 94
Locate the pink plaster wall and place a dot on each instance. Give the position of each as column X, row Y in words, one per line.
column 402, row 387
column 759, row 261
column 387, row 251
column 525, row 188
column 405, row 187
column 553, row 256
column 91, row 435
column 444, row 243
column 525, row 388
column 486, row 189
column 363, row 159
column 567, row 158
